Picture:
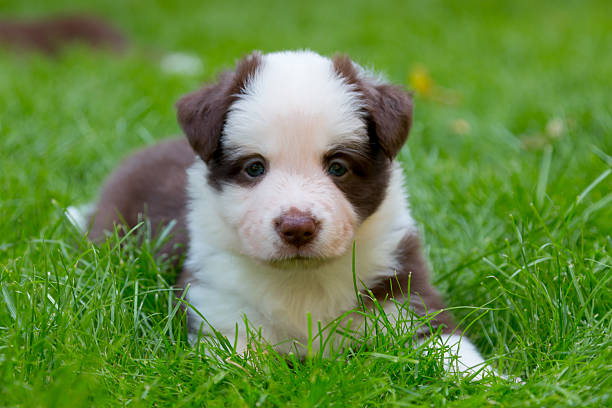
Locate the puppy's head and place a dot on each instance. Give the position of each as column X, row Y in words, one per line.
column 298, row 151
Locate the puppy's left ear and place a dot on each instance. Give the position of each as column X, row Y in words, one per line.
column 388, row 107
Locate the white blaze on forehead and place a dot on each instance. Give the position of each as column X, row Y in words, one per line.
column 295, row 106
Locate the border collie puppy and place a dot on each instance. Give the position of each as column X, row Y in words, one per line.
column 288, row 160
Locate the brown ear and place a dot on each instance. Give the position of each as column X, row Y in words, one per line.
column 389, row 107
column 201, row 114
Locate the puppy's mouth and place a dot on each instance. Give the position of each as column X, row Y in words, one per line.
column 298, row 258
column 298, row 262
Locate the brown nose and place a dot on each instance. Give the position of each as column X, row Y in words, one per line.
column 296, row 227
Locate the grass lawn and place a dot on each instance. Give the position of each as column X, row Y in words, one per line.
column 508, row 167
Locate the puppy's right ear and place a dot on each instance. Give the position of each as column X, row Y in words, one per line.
column 201, row 114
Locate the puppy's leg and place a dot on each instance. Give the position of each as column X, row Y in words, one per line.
column 240, row 340
column 412, row 279
column 238, row 335
column 461, row 356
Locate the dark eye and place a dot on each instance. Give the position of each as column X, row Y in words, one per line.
column 255, row 169
column 337, row 169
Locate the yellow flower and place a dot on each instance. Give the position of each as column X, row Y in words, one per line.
column 424, row 86
column 421, row 81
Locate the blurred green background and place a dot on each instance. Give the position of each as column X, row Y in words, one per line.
column 507, row 166
column 505, row 68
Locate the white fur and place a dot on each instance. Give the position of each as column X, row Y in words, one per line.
column 228, row 285
column 78, row 215
column 291, row 112
column 462, row 356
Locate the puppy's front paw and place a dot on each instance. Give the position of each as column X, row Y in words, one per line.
column 479, row 371
column 463, row 358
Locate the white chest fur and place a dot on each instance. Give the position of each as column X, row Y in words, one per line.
column 225, row 285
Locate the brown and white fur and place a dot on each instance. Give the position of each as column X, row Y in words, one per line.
column 278, row 245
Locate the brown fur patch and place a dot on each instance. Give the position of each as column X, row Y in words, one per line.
column 202, row 113
column 388, row 117
column 412, row 279
column 344, row 67
column 365, row 184
column 151, row 182
column 51, row 34
column 388, row 107
column 225, row 167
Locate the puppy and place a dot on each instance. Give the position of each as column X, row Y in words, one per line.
column 289, row 160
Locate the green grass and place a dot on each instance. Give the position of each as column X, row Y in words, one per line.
column 516, row 215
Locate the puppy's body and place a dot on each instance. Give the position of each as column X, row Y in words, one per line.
column 291, row 159
column 277, row 297
column 152, row 183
